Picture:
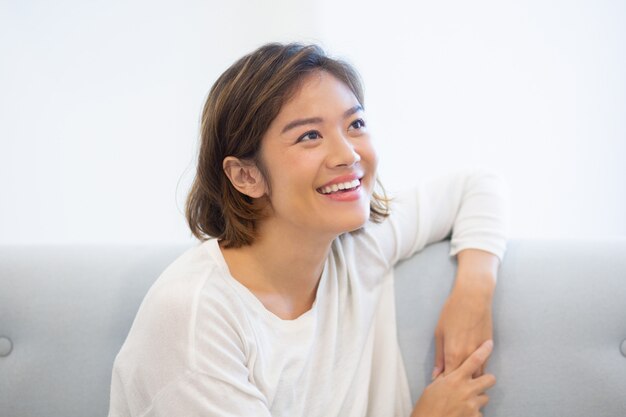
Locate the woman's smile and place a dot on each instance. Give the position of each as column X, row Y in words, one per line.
column 344, row 188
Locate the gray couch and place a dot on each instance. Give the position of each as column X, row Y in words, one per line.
column 560, row 324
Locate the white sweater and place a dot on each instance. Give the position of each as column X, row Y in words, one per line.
column 203, row 345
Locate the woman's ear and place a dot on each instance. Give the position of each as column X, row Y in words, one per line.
column 244, row 176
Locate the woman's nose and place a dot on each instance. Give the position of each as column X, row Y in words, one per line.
column 342, row 152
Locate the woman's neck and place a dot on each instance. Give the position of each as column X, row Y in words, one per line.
column 282, row 268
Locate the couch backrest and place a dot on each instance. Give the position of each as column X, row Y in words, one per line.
column 559, row 326
column 560, row 317
column 67, row 311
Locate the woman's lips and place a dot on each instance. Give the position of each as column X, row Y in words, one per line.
column 339, row 186
column 343, row 179
column 351, row 194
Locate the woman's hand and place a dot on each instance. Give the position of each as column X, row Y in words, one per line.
column 457, row 394
column 466, row 321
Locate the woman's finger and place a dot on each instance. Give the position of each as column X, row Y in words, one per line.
column 483, row 368
column 481, row 371
column 483, row 383
column 482, row 400
column 438, row 355
column 477, row 359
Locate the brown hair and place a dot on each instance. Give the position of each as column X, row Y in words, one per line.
column 242, row 103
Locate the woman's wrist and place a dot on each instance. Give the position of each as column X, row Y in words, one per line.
column 477, row 272
column 478, row 286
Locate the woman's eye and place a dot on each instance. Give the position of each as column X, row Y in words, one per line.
column 357, row 124
column 313, row 134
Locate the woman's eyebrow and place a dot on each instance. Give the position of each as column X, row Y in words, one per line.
column 312, row 120
column 300, row 122
column 352, row 110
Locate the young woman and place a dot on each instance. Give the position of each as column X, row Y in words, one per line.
column 286, row 307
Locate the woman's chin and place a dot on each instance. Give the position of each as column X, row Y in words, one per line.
column 355, row 222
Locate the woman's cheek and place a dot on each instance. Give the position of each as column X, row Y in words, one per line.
column 369, row 154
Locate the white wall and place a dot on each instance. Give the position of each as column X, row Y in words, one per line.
column 100, row 102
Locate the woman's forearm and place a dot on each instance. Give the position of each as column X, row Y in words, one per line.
column 477, row 271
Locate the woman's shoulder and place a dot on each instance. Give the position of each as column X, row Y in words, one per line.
column 188, row 313
column 193, row 265
column 193, row 285
column 197, row 275
column 191, row 296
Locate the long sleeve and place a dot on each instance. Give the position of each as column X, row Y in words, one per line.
column 483, row 220
column 470, row 206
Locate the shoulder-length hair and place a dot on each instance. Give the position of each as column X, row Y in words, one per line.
column 238, row 111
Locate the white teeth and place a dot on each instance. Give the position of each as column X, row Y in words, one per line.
column 341, row 186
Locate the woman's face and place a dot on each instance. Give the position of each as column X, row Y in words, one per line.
column 320, row 160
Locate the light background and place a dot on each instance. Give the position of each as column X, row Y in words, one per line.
column 100, row 104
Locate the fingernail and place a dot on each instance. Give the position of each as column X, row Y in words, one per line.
column 434, row 374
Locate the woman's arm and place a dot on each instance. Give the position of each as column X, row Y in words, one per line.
column 466, row 320
column 470, row 207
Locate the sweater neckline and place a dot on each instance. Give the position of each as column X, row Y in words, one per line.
column 253, row 301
